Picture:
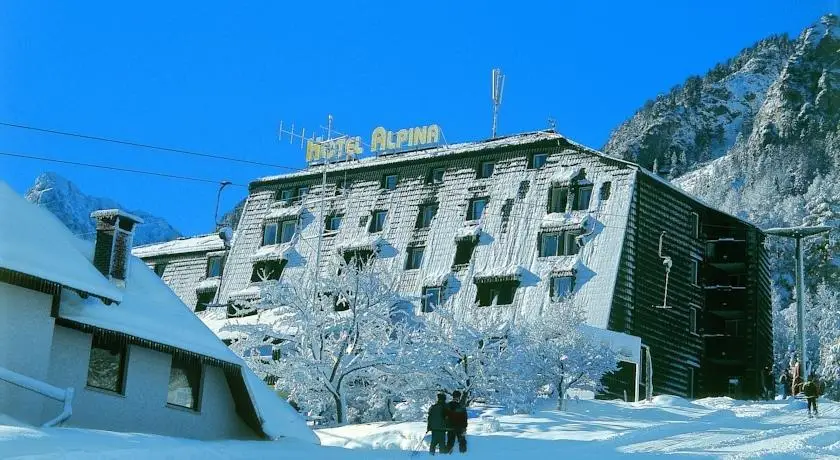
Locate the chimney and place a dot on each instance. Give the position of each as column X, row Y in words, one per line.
column 114, row 232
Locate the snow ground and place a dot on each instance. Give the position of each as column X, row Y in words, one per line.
column 712, row 427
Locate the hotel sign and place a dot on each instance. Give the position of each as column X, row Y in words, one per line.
column 381, row 141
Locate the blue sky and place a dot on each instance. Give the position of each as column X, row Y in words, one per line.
column 217, row 77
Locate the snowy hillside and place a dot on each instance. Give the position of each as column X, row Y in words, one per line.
column 668, row 426
column 73, row 207
column 759, row 137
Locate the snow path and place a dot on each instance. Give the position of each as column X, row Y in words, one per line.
column 668, row 426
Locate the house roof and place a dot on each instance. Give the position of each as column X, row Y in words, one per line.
column 36, row 243
column 200, row 243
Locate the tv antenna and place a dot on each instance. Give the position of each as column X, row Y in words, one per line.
column 498, row 87
column 668, row 263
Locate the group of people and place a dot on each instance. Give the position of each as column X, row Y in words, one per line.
column 811, row 388
column 447, row 422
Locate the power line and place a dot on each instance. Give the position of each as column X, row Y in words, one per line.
column 146, row 146
column 115, row 168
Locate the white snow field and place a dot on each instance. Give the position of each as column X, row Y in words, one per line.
column 712, row 427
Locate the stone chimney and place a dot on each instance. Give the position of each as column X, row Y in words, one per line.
column 114, row 232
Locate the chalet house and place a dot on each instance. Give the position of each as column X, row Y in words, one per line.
column 515, row 224
column 96, row 320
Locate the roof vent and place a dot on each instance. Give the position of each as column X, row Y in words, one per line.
column 114, row 232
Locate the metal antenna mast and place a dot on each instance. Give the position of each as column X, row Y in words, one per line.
column 498, row 87
column 322, row 227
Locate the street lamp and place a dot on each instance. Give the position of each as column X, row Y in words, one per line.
column 222, row 185
column 799, row 233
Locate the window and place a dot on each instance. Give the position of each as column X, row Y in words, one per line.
column 495, row 293
column 287, row 230
column 692, row 320
column 476, row 208
column 359, row 258
column 377, row 223
column 287, row 195
column 561, row 243
column 694, row 273
column 431, row 299
column 426, row 214
column 106, row 368
column 695, row 221
column 436, row 176
column 302, row 191
column 733, row 327
column 341, row 186
column 463, row 251
column 333, row 223
column 267, row 270
column 571, row 244
column 557, row 199
column 537, row 160
column 561, row 287
column 184, row 383
column 582, row 197
column 389, row 182
column 214, row 266
column 606, row 188
column 269, row 234
column 414, row 257
column 160, row 267
column 204, row 299
column 485, row 170
column 691, row 382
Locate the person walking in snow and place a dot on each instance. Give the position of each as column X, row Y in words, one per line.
column 769, row 384
column 436, row 424
column 456, row 415
column 812, row 392
column 786, row 382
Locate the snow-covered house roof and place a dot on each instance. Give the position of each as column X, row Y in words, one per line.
column 200, row 243
column 36, row 243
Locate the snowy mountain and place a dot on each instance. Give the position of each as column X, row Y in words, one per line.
column 759, row 136
column 64, row 199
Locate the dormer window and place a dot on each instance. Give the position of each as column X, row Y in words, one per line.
column 302, row 191
column 558, row 197
column 287, row 195
column 214, row 266
column 389, row 182
column 537, row 160
column 559, row 243
column 496, row 293
column 377, row 222
column 332, row 223
column 476, row 208
column 464, row 250
column 431, row 299
column 267, row 270
column 561, row 287
column 485, row 169
column 426, row 214
column 583, row 194
column 436, row 176
column 286, row 232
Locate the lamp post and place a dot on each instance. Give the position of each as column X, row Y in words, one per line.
column 799, row 233
column 222, row 185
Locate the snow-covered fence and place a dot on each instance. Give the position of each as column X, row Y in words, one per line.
column 28, row 383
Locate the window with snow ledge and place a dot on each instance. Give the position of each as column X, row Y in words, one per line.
column 215, row 265
column 561, row 287
column 356, row 258
column 537, row 160
column 485, row 170
column 389, row 182
column 435, row 176
column 203, row 300
column 107, row 364
column 559, row 243
column 496, row 293
column 426, row 214
column 558, row 197
column 285, row 195
column 476, row 208
column 431, row 299
column 414, row 257
column 184, row 383
column 332, row 223
column 463, row 251
column 377, row 222
column 583, row 194
column 267, row 270
column 606, row 189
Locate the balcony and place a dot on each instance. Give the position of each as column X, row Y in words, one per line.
column 723, row 349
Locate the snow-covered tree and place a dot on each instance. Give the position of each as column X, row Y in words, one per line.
column 334, row 335
column 562, row 354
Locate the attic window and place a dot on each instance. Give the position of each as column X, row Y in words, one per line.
column 267, row 270
column 377, row 223
column 389, row 182
column 435, row 176
column 537, row 160
column 558, row 197
column 106, row 367
column 496, row 293
column 286, row 195
column 606, row 188
column 583, row 193
column 287, row 231
column 485, row 170
column 184, row 383
column 431, row 299
column 561, row 287
column 464, row 251
column 332, row 223
column 214, row 266
column 302, row 191
column 476, row 208
column 204, row 299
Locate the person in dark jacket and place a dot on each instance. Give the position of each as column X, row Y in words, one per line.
column 812, row 392
column 786, row 382
column 456, row 415
column 769, row 384
column 436, row 423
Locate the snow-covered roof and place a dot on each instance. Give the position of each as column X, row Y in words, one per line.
column 151, row 311
column 36, row 243
column 201, row 243
column 105, row 213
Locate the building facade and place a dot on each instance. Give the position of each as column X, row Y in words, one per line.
column 516, row 224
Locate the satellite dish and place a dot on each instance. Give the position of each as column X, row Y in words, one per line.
column 226, row 235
